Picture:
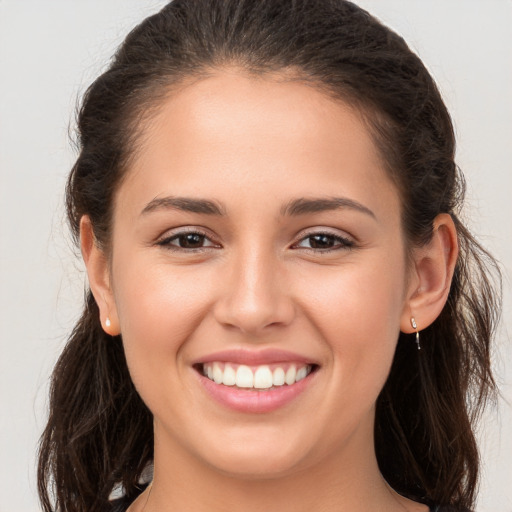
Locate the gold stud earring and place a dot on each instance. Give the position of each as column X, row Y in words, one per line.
column 415, row 326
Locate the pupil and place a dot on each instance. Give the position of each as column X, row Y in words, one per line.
column 321, row 241
column 191, row 240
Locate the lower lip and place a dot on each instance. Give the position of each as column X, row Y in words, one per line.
column 253, row 401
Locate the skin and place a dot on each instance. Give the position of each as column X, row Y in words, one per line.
column 252, row 145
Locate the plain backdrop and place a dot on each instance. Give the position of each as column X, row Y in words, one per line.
column 50, row 50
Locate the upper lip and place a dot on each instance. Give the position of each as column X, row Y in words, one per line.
column 255, row 357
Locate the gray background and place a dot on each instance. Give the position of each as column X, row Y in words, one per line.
column 50, row 50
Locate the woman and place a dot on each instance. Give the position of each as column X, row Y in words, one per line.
column 285, row 311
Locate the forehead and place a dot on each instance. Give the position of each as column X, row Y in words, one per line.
column 232, row 135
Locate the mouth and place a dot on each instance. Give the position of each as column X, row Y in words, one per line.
column 266, row 377
column 252, row 382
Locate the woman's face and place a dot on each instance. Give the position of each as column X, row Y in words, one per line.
column 257, row 239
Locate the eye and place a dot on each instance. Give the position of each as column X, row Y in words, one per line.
column 187, row 240
column 324, row 242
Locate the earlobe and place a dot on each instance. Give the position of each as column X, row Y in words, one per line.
column 98, row 273
column 434, row 265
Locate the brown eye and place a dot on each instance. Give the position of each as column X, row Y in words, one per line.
column 325, row 242
column 322, row 241
column 187, row 241
column 190, row 240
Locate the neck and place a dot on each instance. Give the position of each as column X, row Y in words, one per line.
column 346, row 480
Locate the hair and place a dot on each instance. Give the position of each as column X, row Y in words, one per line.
column 99, row 432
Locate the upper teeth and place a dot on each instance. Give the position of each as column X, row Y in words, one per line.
column 258, row 377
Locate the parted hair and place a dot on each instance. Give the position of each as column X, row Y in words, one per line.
column 99, row 432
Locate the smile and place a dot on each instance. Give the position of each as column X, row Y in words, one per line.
column 255, row 383
column 264, row 377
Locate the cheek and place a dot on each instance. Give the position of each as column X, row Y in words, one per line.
column 357, row 310
column 356, row 301
column 357, row 314
column 158, row 307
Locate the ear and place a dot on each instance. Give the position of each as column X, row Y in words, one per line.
column 98, row 272
column 431, row 276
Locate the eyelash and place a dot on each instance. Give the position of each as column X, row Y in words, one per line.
column 166, row 242
column 342, row 243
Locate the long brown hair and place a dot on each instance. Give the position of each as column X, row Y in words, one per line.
column 99, row 431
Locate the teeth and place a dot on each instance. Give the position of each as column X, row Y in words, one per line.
column 290, row 375
column 301, row 373
column 278, row 377
column 218, row 374
column 260, row 377
column 263, row 378
column 229, row 378
column 244, row 377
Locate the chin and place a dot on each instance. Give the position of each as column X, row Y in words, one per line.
column 256, row 468
column 247, row 459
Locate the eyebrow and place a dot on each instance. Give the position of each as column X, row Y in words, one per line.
column 186, row 204
column 295, row 207
column 303, row 205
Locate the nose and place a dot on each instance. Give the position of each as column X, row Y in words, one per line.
column 254, row 295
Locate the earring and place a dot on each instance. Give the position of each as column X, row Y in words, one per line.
column 107, row 322
column 415, row 326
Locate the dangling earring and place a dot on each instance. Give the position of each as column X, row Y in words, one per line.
column 107, row 322
column 415, row 326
